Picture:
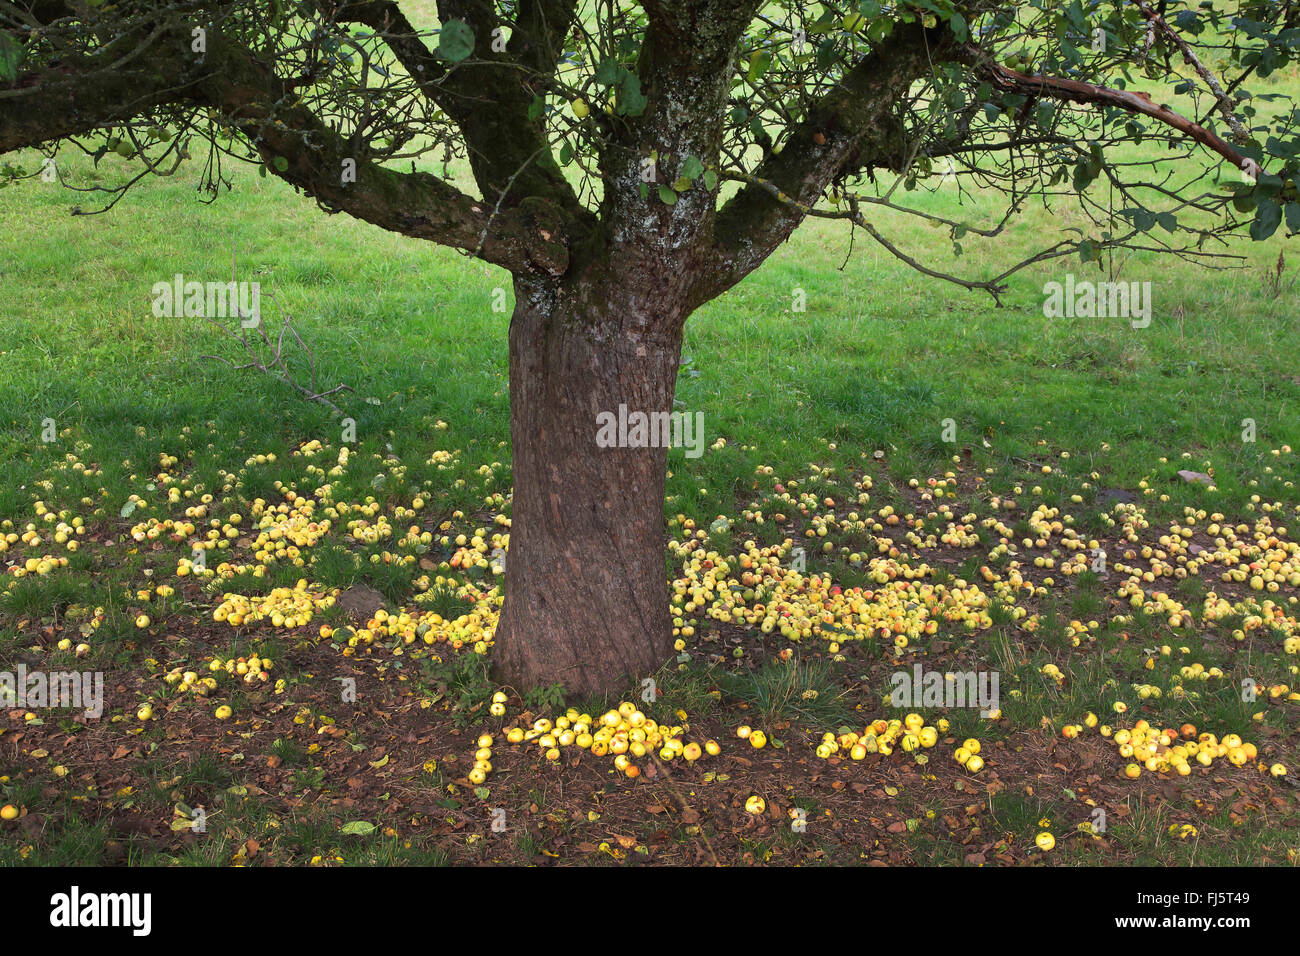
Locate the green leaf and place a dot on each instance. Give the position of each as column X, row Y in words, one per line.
column 879, row 29
column 11, row 54
column 692, row 167
column 1268, row 216
column 1268, row 184
column 128, row 509
column 667, row 196
column 1085, row 171
column 1293, row 216
column 631, row 101
column 711, row 180
column 280, row 164
column 456, row 41
column 359, row 827
column 681, row 184
column 608, row 72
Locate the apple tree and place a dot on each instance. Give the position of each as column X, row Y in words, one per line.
column 627, row 161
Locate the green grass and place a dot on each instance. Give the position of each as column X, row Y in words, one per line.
column 880, row 359
column 788, row 691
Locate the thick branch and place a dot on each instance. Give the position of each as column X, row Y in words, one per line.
column 388, row 21
column 58, row 102
column 415, row 204
column 1076, row 91
column 487, row 96
column 850, row 127
column 88, row 96
column 540, row 29
column 684, row 70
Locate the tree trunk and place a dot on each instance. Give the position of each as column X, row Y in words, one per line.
column 586, row 591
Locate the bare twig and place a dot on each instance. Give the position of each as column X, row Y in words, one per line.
column 277, row 366
column 853, row 215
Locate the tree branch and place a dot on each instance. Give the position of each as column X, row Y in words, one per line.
column 1077, row 91
column 852, row 126
column 1239, row 132
column 83, row 96
column 854, row 215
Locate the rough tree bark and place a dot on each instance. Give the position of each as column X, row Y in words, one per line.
column 587, row 601
column 586, row 591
